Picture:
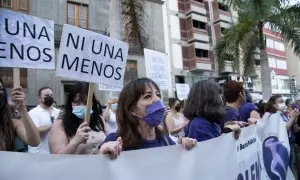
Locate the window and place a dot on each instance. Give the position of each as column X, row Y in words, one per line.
column 15, row 5
column 272, row 62
column 200, row 1
column 275, row 45
column 223, row 7
column 201, row 53
column 199, row 24
column 78, row 14
column 223, row 30
column 281, row 64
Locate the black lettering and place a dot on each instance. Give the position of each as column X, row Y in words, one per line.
column 93, row 48
column 82, row 44
column 112, row 71
column 84, row 65
column 119, row 54
column 257, row 168
column 27, row 28
column 4, row 57
column 94, row 65
column 111, row 53
column 252, row 172
column 70, row 36
column 29, row 53
column 6, row 28
column 240, row 177
column 65, row 58
column 44, row 35
column 14, row 50
column 247, row 174
column 47, row 54
column 118, row 73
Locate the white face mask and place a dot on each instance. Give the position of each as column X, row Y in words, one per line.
column 282, row 107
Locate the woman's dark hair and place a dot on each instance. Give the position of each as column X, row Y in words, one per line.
column 172, row 102
column 71, row 122
column 261, row 107
column 7, row 131
column 270, row 105
column 205, row 101
column 127, row 122
column 232, row 91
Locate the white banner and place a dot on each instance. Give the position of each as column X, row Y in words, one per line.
column 109, row 88
column 157, row 68
column 261, row 153
column 183, row 91
column 26, row 41
column 87, row 56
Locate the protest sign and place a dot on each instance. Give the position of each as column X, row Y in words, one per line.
column 26, row 41
column 260, row 153
column 109, row 88
column 182, row 90
column 157, row 68
column 87, row 56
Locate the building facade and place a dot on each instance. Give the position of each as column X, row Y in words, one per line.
column 103, row 17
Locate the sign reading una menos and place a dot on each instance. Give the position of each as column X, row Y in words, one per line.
column 26, row 41
column 157, row 68
column 88, row 56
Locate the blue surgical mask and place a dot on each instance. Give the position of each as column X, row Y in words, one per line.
column 155, row 113
column 80, row 111
column 113, row 107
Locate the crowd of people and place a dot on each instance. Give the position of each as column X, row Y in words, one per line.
column 138, row 119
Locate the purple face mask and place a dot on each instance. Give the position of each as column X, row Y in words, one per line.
column 155, row 113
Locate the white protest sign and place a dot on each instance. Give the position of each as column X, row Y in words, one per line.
column 183, row 91
column 88, row 56
column 109, row 88
column 157, row 68
column 26, row 41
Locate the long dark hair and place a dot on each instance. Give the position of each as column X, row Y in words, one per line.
column 7, row 131
column 127, row 122
column 72, row 122
column 272, row 101
column 205, row 101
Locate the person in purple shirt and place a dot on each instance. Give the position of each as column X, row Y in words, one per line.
column 139, row 113
column 204, row 107
column 237, row 109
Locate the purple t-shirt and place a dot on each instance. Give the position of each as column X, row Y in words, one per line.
column 203, row 130
column 231, row 114
column 146, row 144
column 245, row 111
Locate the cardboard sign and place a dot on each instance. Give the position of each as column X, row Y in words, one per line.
column 157, row 68
column 183, row 91
column 26, row 41
column 88, row 56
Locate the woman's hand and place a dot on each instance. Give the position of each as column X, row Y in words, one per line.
column 295, row 114
column 188, row 143
column 18, row 97
column 235, row 128
column 113, row 148
column 82, row 134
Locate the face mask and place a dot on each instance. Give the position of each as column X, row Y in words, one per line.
column 80, row 111
column 48, row 101
column 155, row 113
column 113, row 107
column 281, row 107
column 177, row 108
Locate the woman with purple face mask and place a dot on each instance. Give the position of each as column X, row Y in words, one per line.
column 140, row 111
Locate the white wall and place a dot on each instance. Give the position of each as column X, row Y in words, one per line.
column 175, row 27
column 177, row 56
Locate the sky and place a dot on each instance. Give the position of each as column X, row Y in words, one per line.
column 292, row 2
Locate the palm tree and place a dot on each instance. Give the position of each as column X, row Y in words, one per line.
column 240, row 42
column 134, row 22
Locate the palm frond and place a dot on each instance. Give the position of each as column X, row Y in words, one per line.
column 248, row 46
column 134, row 21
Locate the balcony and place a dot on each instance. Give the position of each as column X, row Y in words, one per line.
column 188, row 6
column 58, row 32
